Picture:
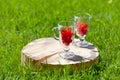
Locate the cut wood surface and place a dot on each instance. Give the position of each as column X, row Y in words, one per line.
column 46, row 51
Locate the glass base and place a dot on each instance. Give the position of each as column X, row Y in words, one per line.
column 83, row 44
column 66, row 54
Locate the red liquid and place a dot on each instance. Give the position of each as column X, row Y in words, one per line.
column 81, row 28
column 66, row 35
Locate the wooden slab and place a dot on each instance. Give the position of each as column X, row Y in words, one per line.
column 46, row 51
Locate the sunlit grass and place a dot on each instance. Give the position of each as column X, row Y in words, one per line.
column 22, row 21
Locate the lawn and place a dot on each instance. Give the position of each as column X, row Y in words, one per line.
column 22, row 21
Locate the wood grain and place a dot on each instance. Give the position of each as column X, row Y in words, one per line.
column 46, row 51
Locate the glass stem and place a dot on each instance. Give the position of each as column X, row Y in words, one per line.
column 66, row 49
column 82, row 39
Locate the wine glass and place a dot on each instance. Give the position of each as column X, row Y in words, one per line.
column 66, row 37
column 82, row 22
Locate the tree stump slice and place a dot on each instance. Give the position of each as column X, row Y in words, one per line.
column 45, row 51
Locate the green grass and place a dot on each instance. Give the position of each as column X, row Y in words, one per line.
column 22, row 21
